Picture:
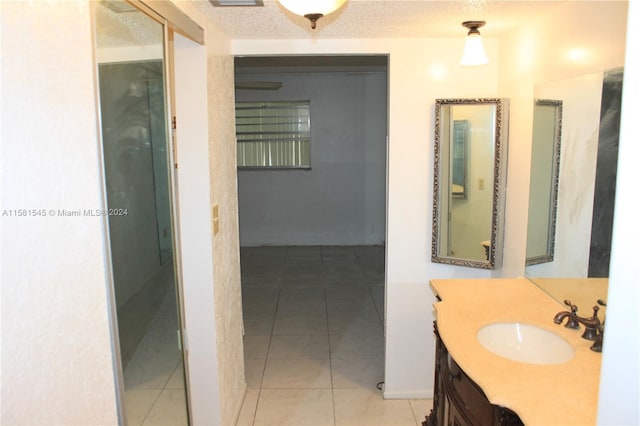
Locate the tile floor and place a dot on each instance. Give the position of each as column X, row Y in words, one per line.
column 314, row 344
column 153, row 376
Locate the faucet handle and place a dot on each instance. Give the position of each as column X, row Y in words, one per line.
column 571, row 322
column 573, row 307
column 597, row 344
column 602, row 303
column 590, row 330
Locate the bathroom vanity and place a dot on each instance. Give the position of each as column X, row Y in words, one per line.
column 457, row 400
column 476, row 386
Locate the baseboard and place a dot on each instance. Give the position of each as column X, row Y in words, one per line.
column 414, row 394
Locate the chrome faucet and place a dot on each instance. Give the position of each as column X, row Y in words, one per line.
column 591, row 324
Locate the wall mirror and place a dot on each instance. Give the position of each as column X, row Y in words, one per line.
column 469, row 181
column 579, row 268
column 543, row 189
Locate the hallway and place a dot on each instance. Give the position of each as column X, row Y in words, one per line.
column 314, row 343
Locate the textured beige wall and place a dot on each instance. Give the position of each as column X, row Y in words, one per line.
column 224, row 194
column 228, row 297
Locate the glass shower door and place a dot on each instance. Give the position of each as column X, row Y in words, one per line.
column 133, row 102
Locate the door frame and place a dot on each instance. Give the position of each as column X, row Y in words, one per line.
column 169, row 26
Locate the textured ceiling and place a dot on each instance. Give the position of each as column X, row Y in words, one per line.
column 120, row 25
column 377, row 19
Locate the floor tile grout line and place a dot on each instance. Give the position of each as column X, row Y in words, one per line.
column 166, row 310
column 415, row 415
column 151, row 408
column 375, row 305
column 333, row 398
column 324, row 286
column 255, row 411
column 264, row 366
column 242, row 405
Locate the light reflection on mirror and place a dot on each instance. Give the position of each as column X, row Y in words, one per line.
column 470, row 142
column 586, row 190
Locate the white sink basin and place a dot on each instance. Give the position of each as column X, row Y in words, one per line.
column 525, row 343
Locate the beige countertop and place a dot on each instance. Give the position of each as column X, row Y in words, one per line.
column 561, row 394
column 582, row 292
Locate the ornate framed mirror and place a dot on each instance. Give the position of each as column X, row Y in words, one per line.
column 469, row 181
column 545, row 176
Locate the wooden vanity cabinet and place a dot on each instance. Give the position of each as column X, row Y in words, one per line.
column 458, row 401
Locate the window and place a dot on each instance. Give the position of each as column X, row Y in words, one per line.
column 273, row 135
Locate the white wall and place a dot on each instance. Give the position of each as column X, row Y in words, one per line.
column 57, row 360
column 341, row 200
column 195, row 230
column 620, row 378
column 419, row 72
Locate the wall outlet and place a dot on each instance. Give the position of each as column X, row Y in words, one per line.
column 481, row 184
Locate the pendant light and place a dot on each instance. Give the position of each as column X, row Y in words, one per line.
column 312, row 9
column 473, row 53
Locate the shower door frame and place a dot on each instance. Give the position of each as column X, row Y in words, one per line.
column 169, row 28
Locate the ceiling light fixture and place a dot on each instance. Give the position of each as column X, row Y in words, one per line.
column 312, row 9
column 473, row 53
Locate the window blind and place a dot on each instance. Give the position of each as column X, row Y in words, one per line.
column 273, row 134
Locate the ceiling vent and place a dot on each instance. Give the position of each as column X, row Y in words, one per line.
column 235, row 3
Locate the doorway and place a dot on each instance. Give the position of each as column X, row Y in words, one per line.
column 136, row 142
column 313, row 234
